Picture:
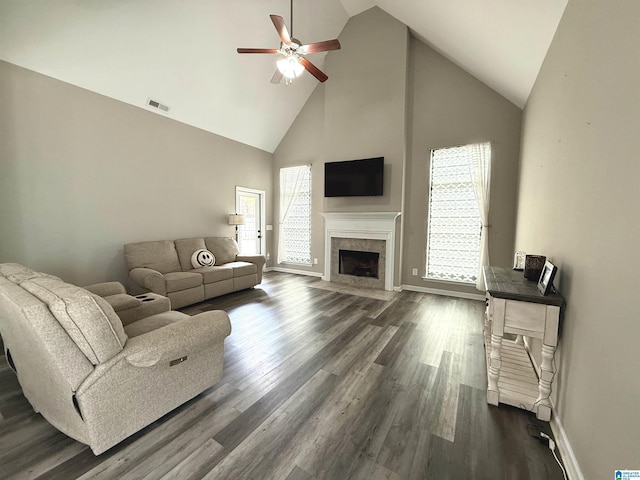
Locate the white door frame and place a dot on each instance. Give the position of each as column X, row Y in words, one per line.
column 263, row 213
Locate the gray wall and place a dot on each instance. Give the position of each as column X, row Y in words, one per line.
column 82, row 174
column 358, row 113
column 578, row 204
column 389, row 94
column 449, row 107
column 303, row 144
column 365, row 105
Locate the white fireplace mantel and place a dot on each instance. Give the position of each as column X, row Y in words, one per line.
column 368, row 225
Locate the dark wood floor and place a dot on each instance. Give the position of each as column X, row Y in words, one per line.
column 317, row 385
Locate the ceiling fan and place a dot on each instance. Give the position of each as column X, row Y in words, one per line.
column 293, row 61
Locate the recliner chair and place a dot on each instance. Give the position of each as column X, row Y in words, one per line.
column 91, row 377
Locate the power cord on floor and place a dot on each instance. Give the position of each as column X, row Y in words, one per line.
column 535, row 431
column 552, row 447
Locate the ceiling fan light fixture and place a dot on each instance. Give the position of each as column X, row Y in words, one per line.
column 290, row 66
column 293, row 51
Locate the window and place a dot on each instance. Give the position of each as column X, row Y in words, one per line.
column 294, row 244
column 455, row 226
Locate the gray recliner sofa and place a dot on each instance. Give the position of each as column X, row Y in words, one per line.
column 93, row 377
column 164, row 267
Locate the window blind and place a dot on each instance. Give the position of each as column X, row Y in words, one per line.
column 454, row 224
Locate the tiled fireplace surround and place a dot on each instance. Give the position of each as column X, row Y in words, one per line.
column 361, row 231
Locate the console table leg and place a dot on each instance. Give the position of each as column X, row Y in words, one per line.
column 543, row 411
column 493, row 394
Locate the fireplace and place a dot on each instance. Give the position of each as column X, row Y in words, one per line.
column 357, row 267
column 373, row 232
column 358, row 264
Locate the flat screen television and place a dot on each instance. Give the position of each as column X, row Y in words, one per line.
column 354, row 178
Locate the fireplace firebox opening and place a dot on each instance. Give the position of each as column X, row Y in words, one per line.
column 358, row 264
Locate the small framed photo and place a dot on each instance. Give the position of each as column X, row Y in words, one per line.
column 546, row 278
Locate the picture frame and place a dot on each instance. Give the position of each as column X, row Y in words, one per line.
column 546, row 278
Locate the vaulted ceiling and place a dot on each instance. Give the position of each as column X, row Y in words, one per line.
column 183, row 53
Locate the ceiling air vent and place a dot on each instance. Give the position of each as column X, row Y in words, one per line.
column 158, row 105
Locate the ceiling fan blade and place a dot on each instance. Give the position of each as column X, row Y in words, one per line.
column 257, row 50
column 277, row 76
column 283, row 33
column 320, row 47
column 313, row 70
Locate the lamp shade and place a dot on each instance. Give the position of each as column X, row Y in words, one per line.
column 236, row 219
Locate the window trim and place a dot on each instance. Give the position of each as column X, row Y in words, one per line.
column 426, row 276
column 308, row 166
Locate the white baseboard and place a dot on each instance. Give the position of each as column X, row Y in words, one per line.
column 566, row 452
column 447, row 293
column 294, row 271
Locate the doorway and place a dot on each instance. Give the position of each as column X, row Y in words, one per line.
column 251, row 238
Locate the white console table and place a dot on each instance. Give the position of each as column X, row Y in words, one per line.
column 515, row 306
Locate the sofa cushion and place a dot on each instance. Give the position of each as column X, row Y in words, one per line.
column 214, row 274
column 106, row 289
column 30, row 330
column 177, row 281
column 241, row 269
column 17, row 273
column 160, row 256
column 7, row 269
column 122, row 301
column 87, row 318
column 154, row 322
column 225, row 249
column 185, row 248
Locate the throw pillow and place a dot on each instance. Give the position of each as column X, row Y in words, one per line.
column 202, row 258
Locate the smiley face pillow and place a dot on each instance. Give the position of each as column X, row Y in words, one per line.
column 202, row 258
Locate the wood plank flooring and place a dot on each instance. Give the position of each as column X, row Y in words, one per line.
column 317, row 385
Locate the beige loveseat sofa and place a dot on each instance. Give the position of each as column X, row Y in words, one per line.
column 92, row 376
column 164, row 267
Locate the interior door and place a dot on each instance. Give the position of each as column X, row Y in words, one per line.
column 250, row 203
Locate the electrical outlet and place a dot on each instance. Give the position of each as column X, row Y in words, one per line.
column 315, row 261
column 415, row 272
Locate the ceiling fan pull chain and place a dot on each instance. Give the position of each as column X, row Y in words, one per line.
column 291, row 17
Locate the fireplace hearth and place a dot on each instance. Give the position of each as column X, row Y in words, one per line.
column 358, row 264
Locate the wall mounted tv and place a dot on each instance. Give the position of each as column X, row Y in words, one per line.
column 354, row 178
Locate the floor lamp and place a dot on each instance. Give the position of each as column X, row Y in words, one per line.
column 236, row 219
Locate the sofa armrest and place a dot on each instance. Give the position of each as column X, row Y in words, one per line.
column 178, row 339
column 149, row 279
column 167, row 343
column 259, row 261
column 105, row 289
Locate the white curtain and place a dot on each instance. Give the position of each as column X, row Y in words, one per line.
column 480, row 168
column 291, row 179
